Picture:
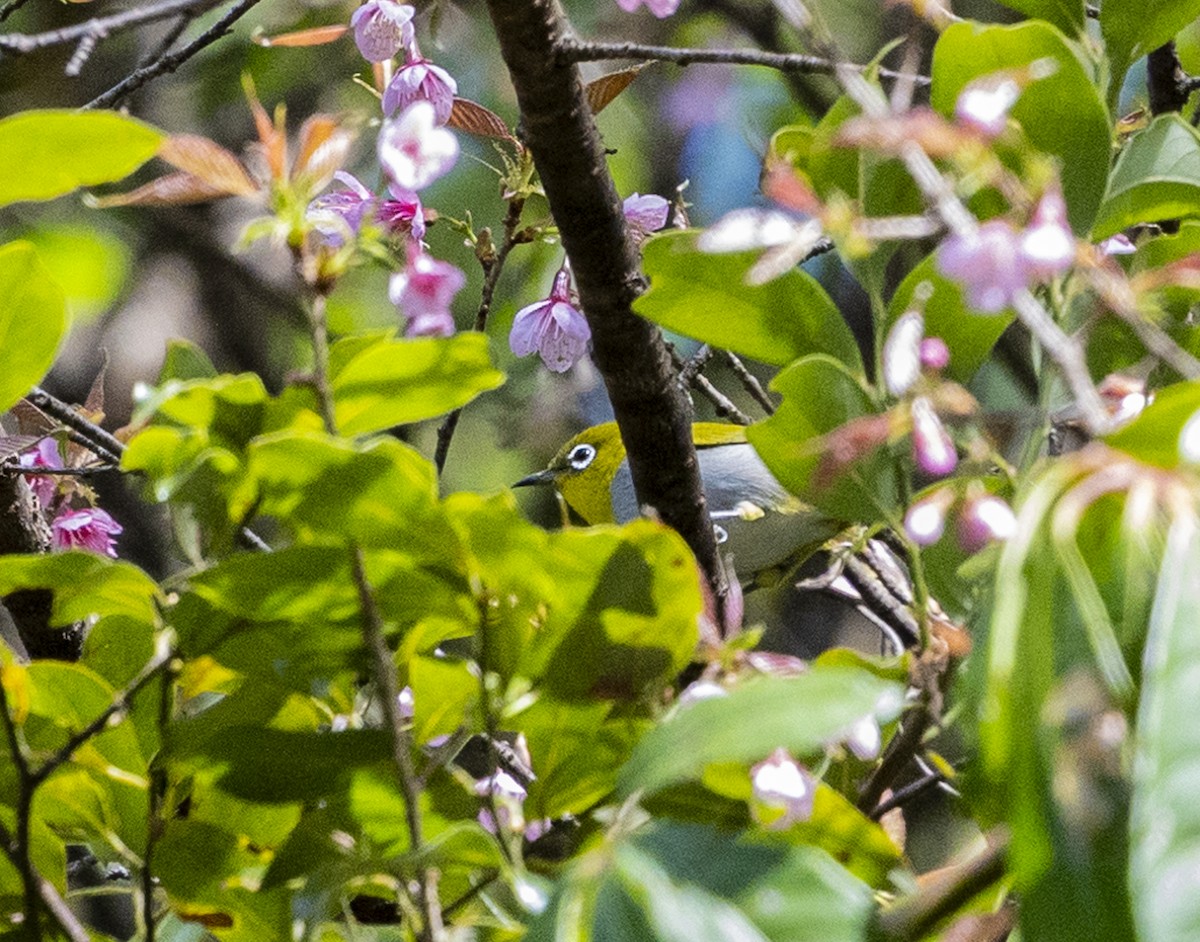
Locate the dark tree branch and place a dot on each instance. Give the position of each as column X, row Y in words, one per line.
column 1166, row 83
column 169, row 62
column 8, row 9
column 101, row 27
column 652, row 412
column 574, row 50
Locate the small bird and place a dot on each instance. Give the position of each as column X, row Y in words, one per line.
column 758, row 524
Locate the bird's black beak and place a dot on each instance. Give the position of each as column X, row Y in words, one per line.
column 541, row 477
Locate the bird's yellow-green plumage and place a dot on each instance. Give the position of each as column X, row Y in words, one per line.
column 755, row 518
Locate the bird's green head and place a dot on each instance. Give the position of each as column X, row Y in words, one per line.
column 583, row 471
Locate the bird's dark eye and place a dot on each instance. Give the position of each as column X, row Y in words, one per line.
column 581, row 456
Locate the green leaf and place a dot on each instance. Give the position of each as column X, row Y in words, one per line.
column 1165, row 817
column 84, row 585
column 819, row 396
column 706, row 297
column 801, row 714
column 681, row 883
column 90, row 264
column 399, row 381
column 1156, row 436
column 44, row 154
column 33, row 318
column 185, row 361
column 969, row 336
column 1062, row 114
column 1156, row 177
column 1067, row 15
column 1133, row 28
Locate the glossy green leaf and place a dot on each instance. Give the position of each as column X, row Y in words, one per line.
column 33, row 319
column 91, row 265
column 1133, row 28
column 681, row 883
column 44, row 154
column 398, row 381
column 969, row 336
column 84, row 585
column 1062, row 114
column 185, row 361
column 292, row 584
column 705, row 296
column 801, row 714
column 1166, row 434
column 1156, row 177
column 1067, row 15
column 1165, row 817
column 821, row 397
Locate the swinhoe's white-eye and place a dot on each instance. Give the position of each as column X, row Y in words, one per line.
column 757, row 523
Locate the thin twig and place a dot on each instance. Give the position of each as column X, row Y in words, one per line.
column 119, row 705
column 900, row 752
column 491, row 276
column 169, row 62
column 721, row 403
column 24, row 43
column 750, row 382
column 903, row 796
column 695, row 365
column 16, row 846
column 574, row 50
column 914, row 917
column 168, row 40
column 49, row 897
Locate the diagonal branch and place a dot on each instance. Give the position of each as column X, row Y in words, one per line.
column 652, row 412
column 101, row 27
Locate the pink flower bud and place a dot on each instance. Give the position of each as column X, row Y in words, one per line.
column 1048, row 244
column 925, row 521
column 933, row 450
column 988, row 264
column 983, row 520
column 645, row 214
column 43, row 455
column 984, row 104
column 783, row 791
column 1118, row 244
column 865, row 739
column 382, row 28
column 902, row 353
column 935, row 355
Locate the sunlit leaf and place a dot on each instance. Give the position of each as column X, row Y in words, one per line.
column 601, row 91
column 472, row 117
column 33, row 319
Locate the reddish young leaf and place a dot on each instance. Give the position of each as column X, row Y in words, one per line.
column 317, row 36
column 175, row 189
column 600, row 92
column 323, row 145
column 475, row 119
column 209, row 162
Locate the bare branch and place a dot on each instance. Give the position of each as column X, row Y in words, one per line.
column 571, row 50
column 24, row 43
column 170, row 61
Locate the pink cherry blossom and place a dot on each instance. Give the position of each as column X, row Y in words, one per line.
column 91, row 529
column 902, row 353
column 339, row 215
column 988, row 264
column 660, row 8
column 43, row 455
column 423, row 293
column 382, row 28
column 421, row 80
column 645, row 214
column 414, row 150
column 925, row 521
column 402, row 213
column 783, row 791
column 554, row 328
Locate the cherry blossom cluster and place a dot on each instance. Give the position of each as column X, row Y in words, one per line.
column 554, row 327
column 414, row 148
column 83, row 528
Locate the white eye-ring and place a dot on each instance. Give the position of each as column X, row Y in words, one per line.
column 581, row 456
